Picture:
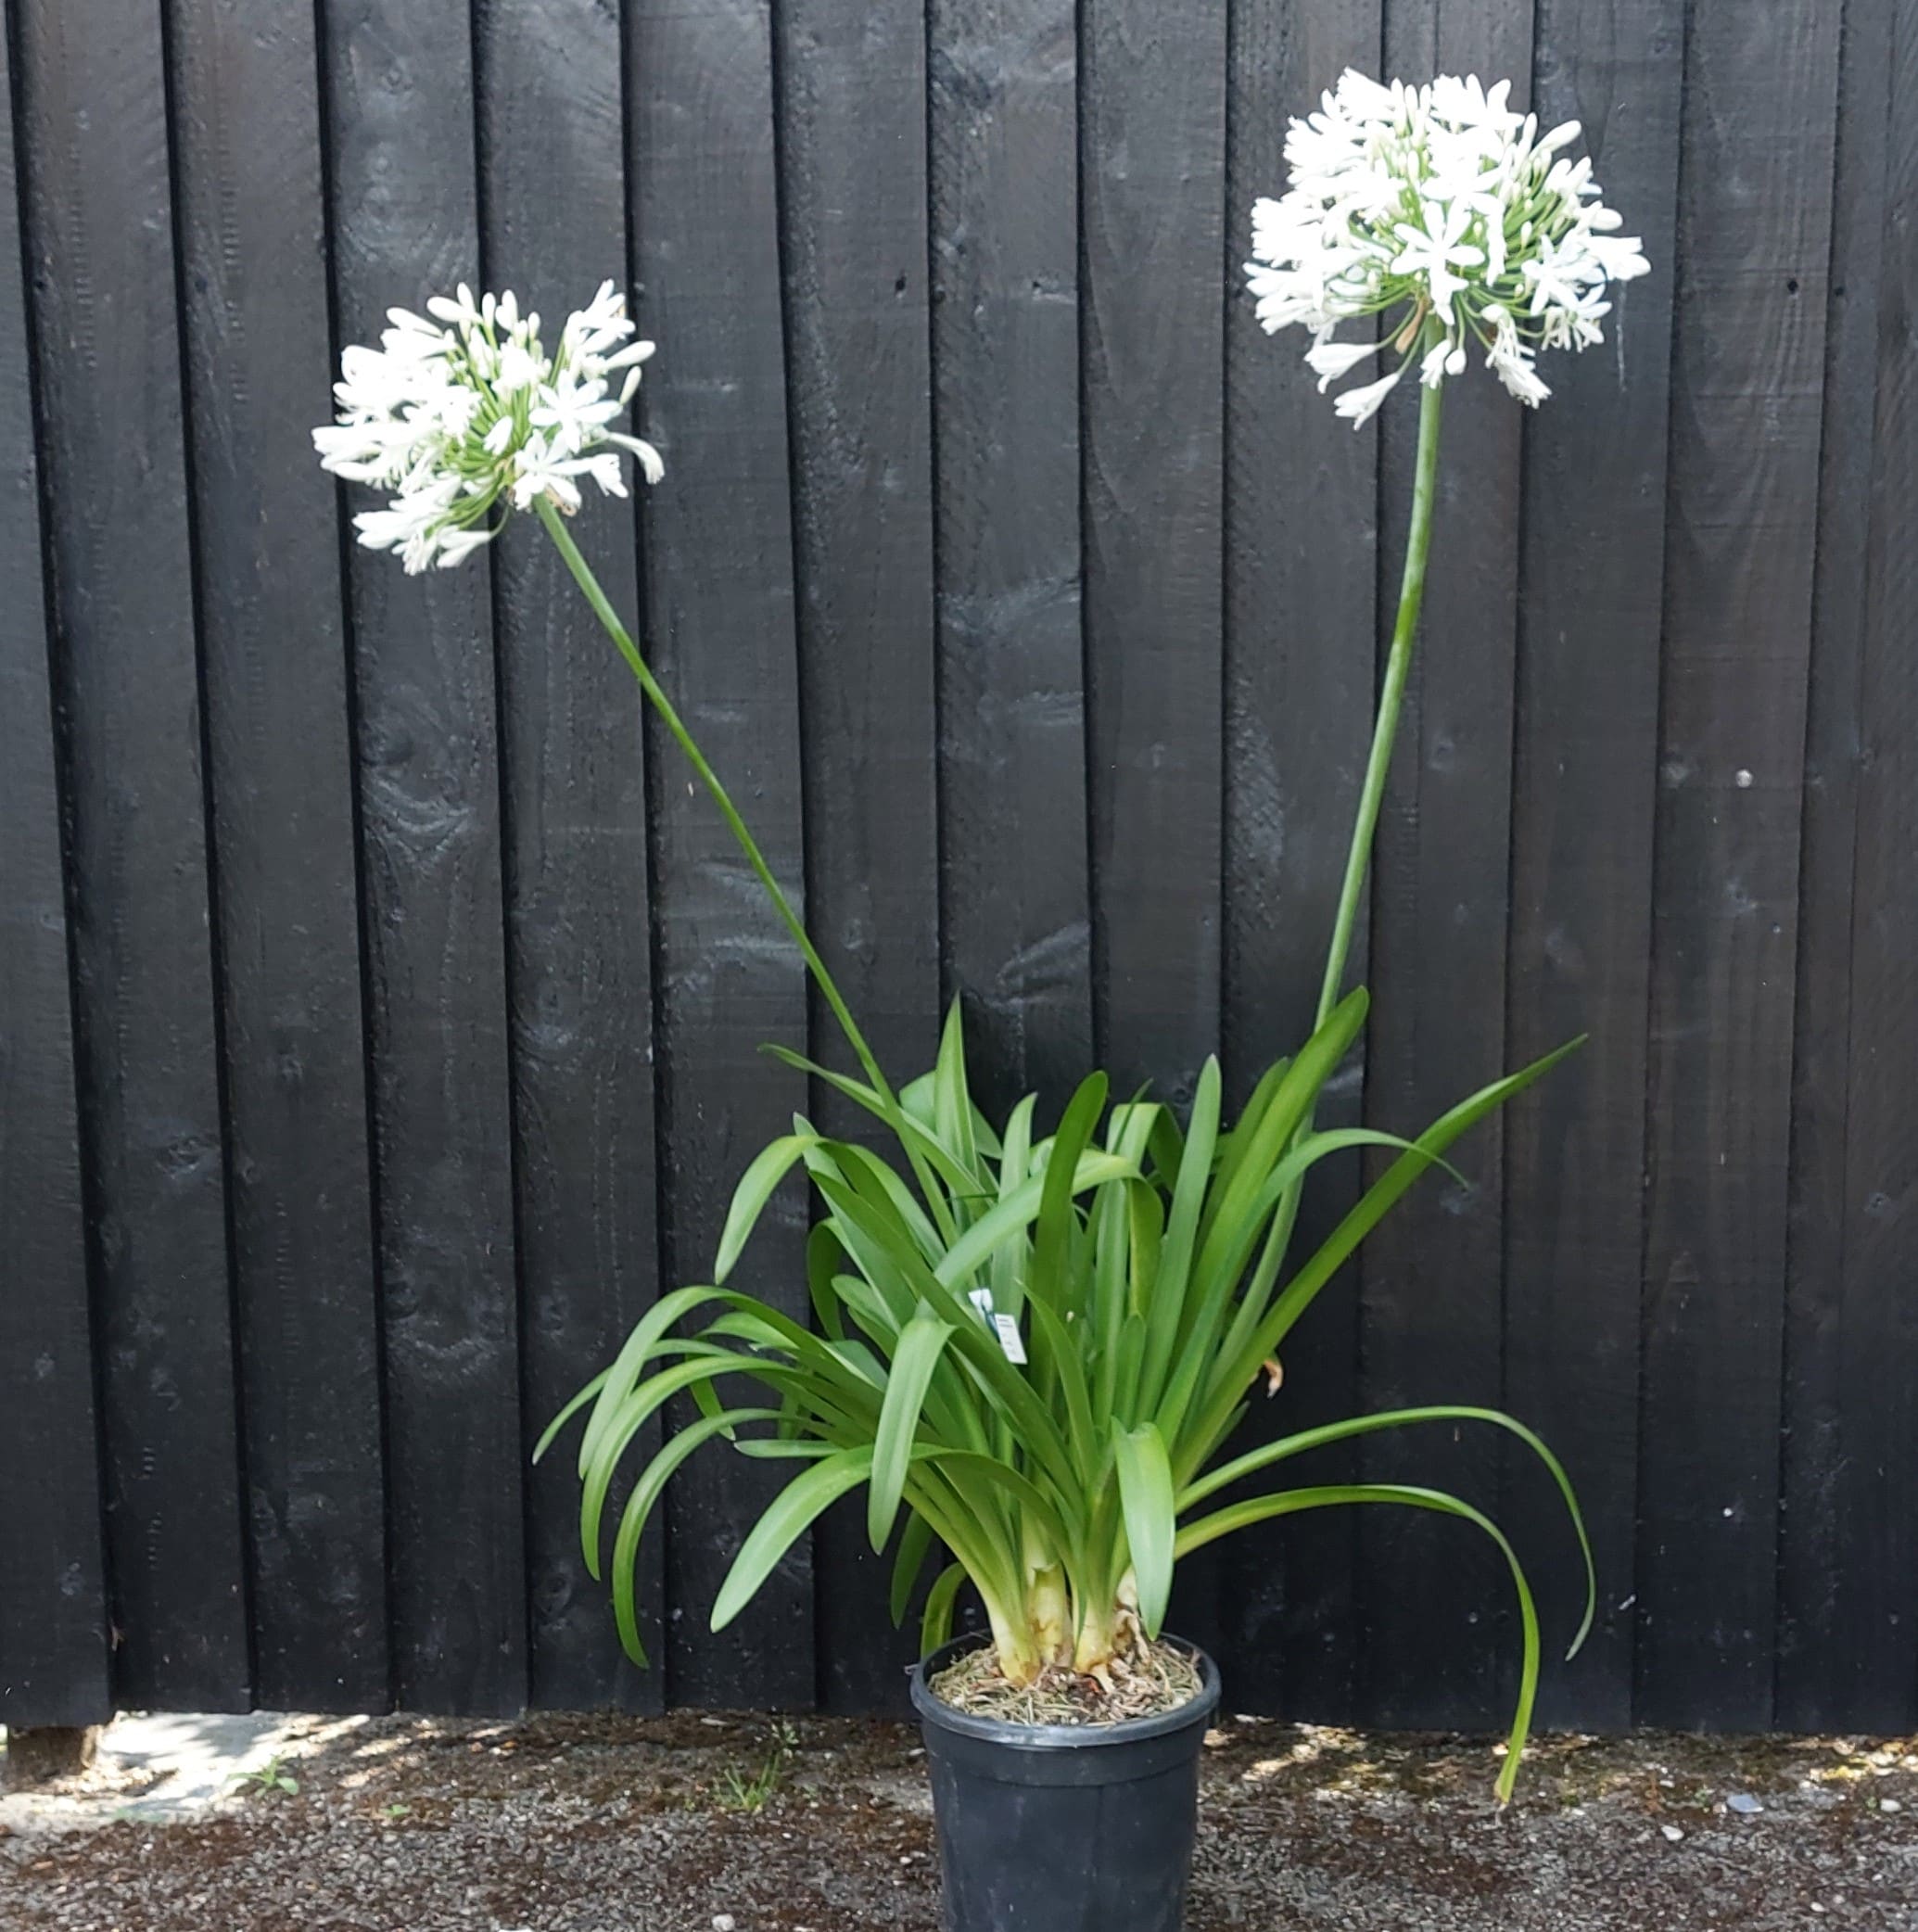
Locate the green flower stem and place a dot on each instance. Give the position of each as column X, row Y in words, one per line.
column 655, row 695
column 1385, row 731
column 1398, row 665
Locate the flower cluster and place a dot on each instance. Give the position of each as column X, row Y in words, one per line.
column 1445, row 211
column 465, row 411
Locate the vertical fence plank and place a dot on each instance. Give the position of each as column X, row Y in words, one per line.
column 852, row 118
column 101, row 220
column 1878, row 1515
column 53, row 1620
column 1814, row 1676
column 719, row 599
column 1301, row 515
column 1844, row 1644
column 1433, row 1273
column 1153, row 106
column 1584, row 798
column 1754, row 236
column 1011, row 673
column 554, row 202
column 252, row 220
column 404, row 225
column 1811, row 1670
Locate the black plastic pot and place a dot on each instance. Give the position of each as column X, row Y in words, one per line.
column 1063, row 1827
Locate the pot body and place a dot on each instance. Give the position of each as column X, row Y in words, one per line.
column 1063, row 1827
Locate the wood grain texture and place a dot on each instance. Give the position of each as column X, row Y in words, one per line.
column 553, row 197
column 721, row 619
column 404, row 225
column 1301, row 625
column 100, row 227
column 1584, row 793
column 1432, row 1274
column 53, row 1609
column 1844, row 1649
column 1755, row 238
column 852, row 129
column 1152, row 93
column 1029, row 603
column 1152, row 141
column 252, row 220
column 1013, row 861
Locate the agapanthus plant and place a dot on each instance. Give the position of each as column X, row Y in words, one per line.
column 1032, row 1349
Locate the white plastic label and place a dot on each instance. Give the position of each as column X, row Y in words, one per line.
column 1009, row 1339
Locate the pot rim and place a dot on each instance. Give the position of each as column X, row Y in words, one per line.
column 934, row 1709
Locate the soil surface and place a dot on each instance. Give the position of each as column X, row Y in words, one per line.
column 754, row 1824
column 1151, row 1681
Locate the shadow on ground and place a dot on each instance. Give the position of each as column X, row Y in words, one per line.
column 609, row 1823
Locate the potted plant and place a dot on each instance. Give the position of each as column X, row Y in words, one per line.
column 1032, row 1349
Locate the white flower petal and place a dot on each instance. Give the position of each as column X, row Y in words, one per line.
column 1359, row 406
column 1328, row 361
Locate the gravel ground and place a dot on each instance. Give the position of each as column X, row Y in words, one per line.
column 747, row 1825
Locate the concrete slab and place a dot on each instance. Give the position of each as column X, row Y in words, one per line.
column 167, row 1766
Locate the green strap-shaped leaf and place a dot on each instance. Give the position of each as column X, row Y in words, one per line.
column 1259, row 1510
column 652, row 1479
column 1053, row 1342
column 639, row 1407
column 638, row 1349
column 915, row 1540
column 823, row 1256
column 1250, row 1464
column 1166, row 1305
column 879, row 1183
column 1020, row 1208
column 1007, row 1387
column 1231, row 1375
column 1294, row 1098
column 769, row 1167
column 551, row 1431
column 1007, row 1275
column 967, row 1469
column 787, row 1518
column 1235, row 1146
column 920, row 1344
column 1052, row 1240
column 1145, row 1492
column 1229, row 1248
column 935, row 1625
column 952, row 1101
column 918, row 1136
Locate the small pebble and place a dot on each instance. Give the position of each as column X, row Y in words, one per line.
column 1671, row 1832
column 722, row 1922
column 1889, row 1804
column 1743, row 1801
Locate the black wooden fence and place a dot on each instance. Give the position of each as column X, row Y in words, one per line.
column 379, row 1003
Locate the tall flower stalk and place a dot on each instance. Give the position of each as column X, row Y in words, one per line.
column 555, row 525
column 1443, row 216
column 1391, row 696
column 463, row 416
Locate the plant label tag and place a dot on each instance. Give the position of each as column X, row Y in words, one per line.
column 1009, row 1340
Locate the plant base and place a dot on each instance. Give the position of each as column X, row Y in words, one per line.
column 1148, row 1681
column 1063, row 1827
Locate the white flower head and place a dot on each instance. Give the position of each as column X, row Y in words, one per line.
column 1449, row 214
column 463, row 416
